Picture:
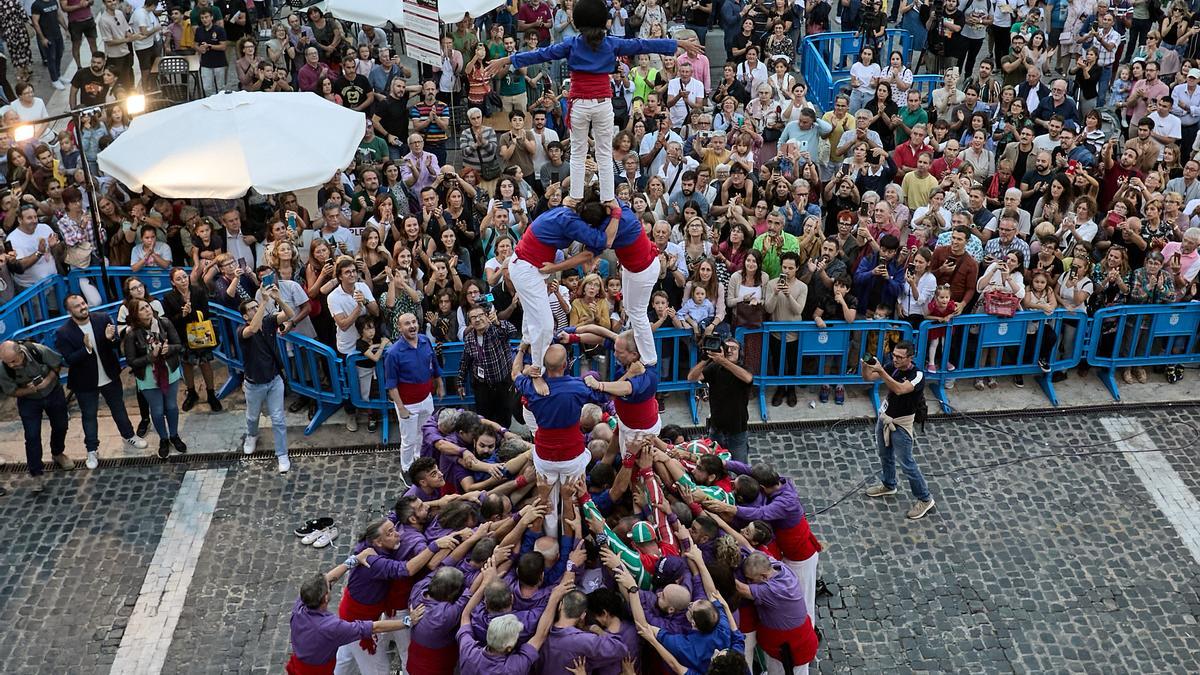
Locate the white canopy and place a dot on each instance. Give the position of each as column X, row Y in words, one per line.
column 221, row 146
column 379, row 12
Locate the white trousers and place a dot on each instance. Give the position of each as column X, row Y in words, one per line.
column 806, row 574
column 636, row 288
column 410, row 431
column 351, row 656
column 595, row 115
column 537, row 323
column 558, row 474
column 630, row 437
column 776, row 667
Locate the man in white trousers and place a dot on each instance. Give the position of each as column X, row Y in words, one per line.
column 640, row 266
column 559, row 454
column 412, row 377
column 537, row 258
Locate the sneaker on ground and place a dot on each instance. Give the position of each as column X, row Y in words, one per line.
column 39, row 484
column 1019, row 381
column 919, row 509
column 313, row 525
column 93, row 459
column 249, row 444
column 164, row 448
column 189, row 401
column 311, row 537
column 142, row 428
column 136, row 443
column 880, row 490
column 285, row 464
column 839, row 395
column 179, row 445
column 326, row 538
column 65, row 463
column 352, row 423
column 214, row 404
column 58, row 85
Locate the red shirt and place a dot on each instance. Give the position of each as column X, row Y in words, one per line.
column 905, row 156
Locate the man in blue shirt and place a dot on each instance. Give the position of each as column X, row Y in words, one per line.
column 412, row 377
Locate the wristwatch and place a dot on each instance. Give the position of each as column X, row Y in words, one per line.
column 351, row 562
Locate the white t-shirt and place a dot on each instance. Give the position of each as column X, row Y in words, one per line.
column 1168, row 126
column 295, row 296
column 142, row 21
column 865, row 74
column 139, row 253
column 25, row 245
column 540, row 141
column 693, row 92
column 341, row 302
column 102, row 377
column 33, row 113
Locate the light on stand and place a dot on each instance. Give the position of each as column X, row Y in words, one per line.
column 135, row 104
column 23, row 133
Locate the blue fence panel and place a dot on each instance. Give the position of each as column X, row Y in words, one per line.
column 821, row 356
column 1143, row 335
column 379, row 401
column 316, row 371
column 677, row 354
column 157, row 280
column 35, row 304
column 982, row 346
column 229, row 348
column 827, row 58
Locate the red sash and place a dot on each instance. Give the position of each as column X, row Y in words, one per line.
column 350, row 609
column 412, row 393
column 802, row 640
column 637, row 256
column 590, row 85
column 747, row 618
column 640, row 415
column 797, row 543
column 533, row 251
column 429, row 661
column 558, row 445
column 297, row 667
column 398, row 592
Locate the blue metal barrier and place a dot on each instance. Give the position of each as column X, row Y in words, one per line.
column 1011, row 348
column 822, row 356
column 157, row 280
column 379, row 402
column 1143, row 335
column 227, row 322
column 32, row 305
column 314, row 370
column 827, row 58
column 677, row 353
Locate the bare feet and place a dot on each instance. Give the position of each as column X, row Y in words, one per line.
column 570, row 202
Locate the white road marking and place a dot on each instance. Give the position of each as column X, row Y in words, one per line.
column 1164, row 484
column 148, row 635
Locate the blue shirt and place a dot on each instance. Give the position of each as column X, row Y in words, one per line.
column 629, row 228
column 406, row 364
column 582, row 57
column 559, row 410
column 561, row 226
column 694, row 649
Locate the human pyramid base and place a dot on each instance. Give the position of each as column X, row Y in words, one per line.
column 611, row 544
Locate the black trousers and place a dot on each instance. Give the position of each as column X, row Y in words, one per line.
column 789, row 360
column 493, row 401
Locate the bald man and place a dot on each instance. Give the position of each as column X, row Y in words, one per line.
column 412, row 377
column 559, row 455
column 30, row 375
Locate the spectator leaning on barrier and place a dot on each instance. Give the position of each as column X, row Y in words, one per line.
column 89, row 347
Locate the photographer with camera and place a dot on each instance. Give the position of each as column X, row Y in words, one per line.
column 894, row 431
column 29, row 373
column 486, row 362
column 731, row 384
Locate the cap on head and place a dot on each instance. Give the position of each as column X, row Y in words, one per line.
column 642, row 533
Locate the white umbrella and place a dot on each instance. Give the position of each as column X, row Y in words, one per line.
column 221, row 146
column 452, row 11
column 371, row 12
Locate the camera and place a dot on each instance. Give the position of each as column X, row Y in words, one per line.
column 711, row 343
column 870, row 359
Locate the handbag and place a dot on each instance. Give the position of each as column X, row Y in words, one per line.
column 200, row 333
column 746, row 315
column 1000, row 303
column 489, row 170
column 79, row 255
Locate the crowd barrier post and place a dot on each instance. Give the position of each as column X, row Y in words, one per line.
column 379, row 402
column 819, row 356
column 316, row 371
column 32, row 305
column 1135, row 336
column 156, row 279
column 983, row 346
column 677, row 353
column 227, row 323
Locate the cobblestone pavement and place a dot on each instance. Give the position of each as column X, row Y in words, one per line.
column 1055, row 565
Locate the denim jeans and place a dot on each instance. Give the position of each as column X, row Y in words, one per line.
column 270, row 394
column 31, row 411
column 1102, row 88
column 212, row 80
column 164, row 409
column 736, row 444
column 53, row 54
column 900, row 450
column 89, row 403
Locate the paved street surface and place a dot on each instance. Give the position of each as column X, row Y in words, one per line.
column 1054, row 565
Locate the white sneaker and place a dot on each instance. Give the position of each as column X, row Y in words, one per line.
column 64, row 80
column 326, row 538
column 136, row 443
column 285, row 464
column 352, row 422
column 93, row 458
column 249, row 444
column 57, row 85
column 311, row 537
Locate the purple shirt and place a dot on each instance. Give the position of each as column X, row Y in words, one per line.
column 779, row 600
column 317, row 634
column 522, row 603
column 629, row 637
column 436, row 628
column 416, row 491
column 564, row 645
column 369, row 585
column 473, row 659
column 782, row 510
column 672, row 623
column 481, row 617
